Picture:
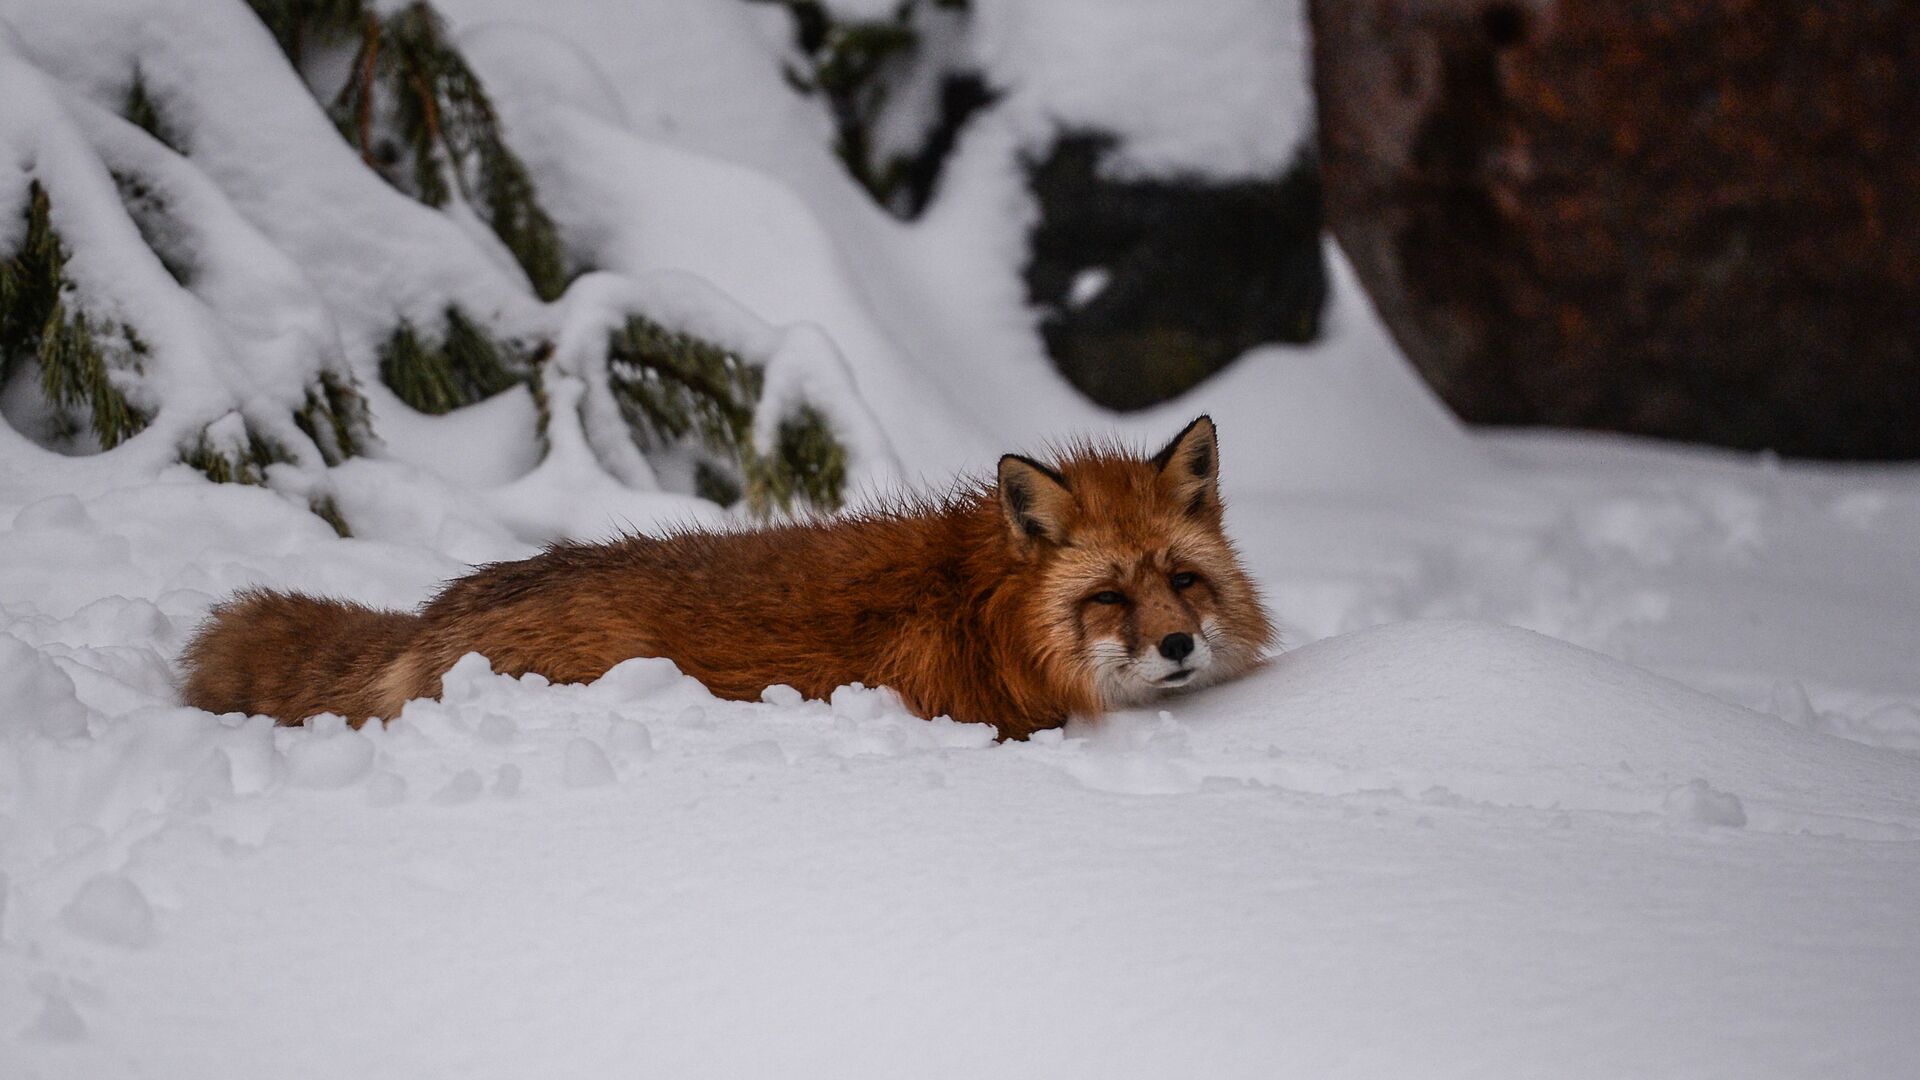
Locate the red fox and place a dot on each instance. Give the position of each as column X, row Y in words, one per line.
column 1102, row 581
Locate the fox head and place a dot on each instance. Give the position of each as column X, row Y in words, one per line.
column 1136, row 586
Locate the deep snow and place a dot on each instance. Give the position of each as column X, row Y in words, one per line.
column 1586, row 757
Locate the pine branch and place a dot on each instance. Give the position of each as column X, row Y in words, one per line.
column 235, row 464
column 463, row 366
column 76, row 357
column 335, row 417
column 853, row 65
column 140, row 110
column 446, row 133
column 294, row 23
column 808, row 465
column 672, row 387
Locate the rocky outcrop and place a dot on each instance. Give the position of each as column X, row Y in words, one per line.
column 1687, row 218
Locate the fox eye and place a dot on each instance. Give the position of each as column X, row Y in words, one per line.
column 1109, row 597
column 1184, row 579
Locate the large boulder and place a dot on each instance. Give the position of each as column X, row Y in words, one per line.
column 1684, row 218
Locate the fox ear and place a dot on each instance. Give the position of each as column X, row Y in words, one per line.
column 1190, row 467
column 1035, row 500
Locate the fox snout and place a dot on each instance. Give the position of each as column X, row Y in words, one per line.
column 1178, row 659
column 1152, row 663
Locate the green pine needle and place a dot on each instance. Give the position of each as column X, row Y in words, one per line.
column 672, row 387
column 335, row 417
column 462, row 367
column 76, row 357
column 406, row 76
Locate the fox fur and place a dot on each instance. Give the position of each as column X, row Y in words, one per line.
column 1056, row 591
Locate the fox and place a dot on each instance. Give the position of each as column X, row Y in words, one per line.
column 1100, row 581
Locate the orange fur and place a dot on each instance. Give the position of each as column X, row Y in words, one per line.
column 993, row 605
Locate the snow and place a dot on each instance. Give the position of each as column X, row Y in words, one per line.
column 1585, row 757
column 1310, row 870
column 112, row 910
column 587, row 764
column 1129, row 67
column 335, row 757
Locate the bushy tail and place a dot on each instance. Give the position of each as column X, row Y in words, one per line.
column 291, row 656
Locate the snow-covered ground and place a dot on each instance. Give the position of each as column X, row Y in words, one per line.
column 1585, row 757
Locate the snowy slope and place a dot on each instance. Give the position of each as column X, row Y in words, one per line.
column 1586, row 757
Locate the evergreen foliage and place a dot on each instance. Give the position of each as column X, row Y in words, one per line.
column 671, row 387
column 148, row 210
column 419, row 117
column 140, row 110
column 335, row 418
column 334, row 415
column 716, row 483
column 462, row 366
column 847, row 60
column 247, row 463
column 144, row 205
column 808, row 465
column 236, row 464
column 327, row 510
column 77, row 359
column 855, row 65
column 296, row 23
column 75, row 356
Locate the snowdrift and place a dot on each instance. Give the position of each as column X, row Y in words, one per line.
column 1448, row 711
column 631, row 875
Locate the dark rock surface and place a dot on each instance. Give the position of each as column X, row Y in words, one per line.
column 1697, row 219
column 1147, row 286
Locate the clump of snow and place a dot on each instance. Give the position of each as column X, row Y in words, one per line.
column 1698, row 802
column 37, row 692
column 496, row 728
column 587, row 764
column 462, row 787
column 630, row 737
column 781, row 694
column 641, row 678
column 506, row 780
column 111, row 909
column 470, row 677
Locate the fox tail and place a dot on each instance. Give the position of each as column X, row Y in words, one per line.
column 291, row 656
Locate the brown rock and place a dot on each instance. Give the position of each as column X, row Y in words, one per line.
column 1697, row 219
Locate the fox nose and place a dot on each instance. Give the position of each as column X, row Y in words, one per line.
column 1176, row 646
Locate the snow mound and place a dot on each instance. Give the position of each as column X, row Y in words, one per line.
column 1499, row 715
